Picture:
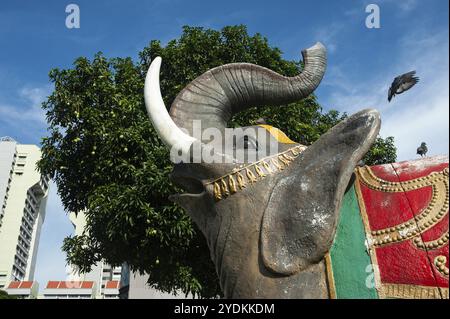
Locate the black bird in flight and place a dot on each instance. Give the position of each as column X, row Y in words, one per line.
column 402, row 83
column 422, row 149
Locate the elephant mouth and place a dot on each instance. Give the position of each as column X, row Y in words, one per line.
column 190, row 185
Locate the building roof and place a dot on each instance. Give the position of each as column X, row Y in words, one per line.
column 70, row 285
column 112, row 284
column 20, row 285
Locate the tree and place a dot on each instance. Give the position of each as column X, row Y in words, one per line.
column 108, row 161
column 5, row 295
column 382, row 151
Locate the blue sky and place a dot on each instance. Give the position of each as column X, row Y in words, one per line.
column 414, row 35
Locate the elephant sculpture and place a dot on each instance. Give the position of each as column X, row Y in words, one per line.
column 270, row 221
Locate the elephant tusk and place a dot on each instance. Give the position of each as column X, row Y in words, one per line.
column 166, row 128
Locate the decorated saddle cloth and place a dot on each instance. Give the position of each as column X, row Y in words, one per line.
column 392, row 237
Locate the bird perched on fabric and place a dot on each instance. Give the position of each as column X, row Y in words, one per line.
column 422, row 149
column 402, row 83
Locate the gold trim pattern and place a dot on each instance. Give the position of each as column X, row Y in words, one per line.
column 425, row 220
column 444, row 293
column 439, row 263
column 433, row 244
column 243, row 175
column 411, row 291
column 330, row 276
column 377, row 183
column 396, row 290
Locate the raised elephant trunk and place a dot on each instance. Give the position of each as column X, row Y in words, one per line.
column 268, row 223
column 218, row 94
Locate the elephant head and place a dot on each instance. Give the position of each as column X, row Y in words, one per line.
column 268, row 220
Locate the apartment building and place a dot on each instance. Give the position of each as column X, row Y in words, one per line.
column 106, row 278
column 23, row 197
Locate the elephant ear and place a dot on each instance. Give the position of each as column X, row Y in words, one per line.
column 300, row 219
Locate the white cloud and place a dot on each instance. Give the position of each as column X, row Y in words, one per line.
column 407, row 5
column 403, row 6
column 425, row 120
column 28, row 107
column 328, row 36
column 420, row 114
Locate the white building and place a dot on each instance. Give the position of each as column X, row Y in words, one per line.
column 109, row 279
column 23, row 197
column 139, row 289
column 106, row 278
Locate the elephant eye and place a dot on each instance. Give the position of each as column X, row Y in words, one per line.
column 250, row 143
column 245, row 142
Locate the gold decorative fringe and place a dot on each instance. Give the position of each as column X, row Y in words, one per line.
column 217, row 192
column 237, row 180
column 283, row 160
column 444, row 292
column 251, row 177
column 232, row 184
column 277, row 164
column 240, row 181
column 288, row 157
column 259, row 171
column 267, row 167
column 225, row 190
column 410, row 292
